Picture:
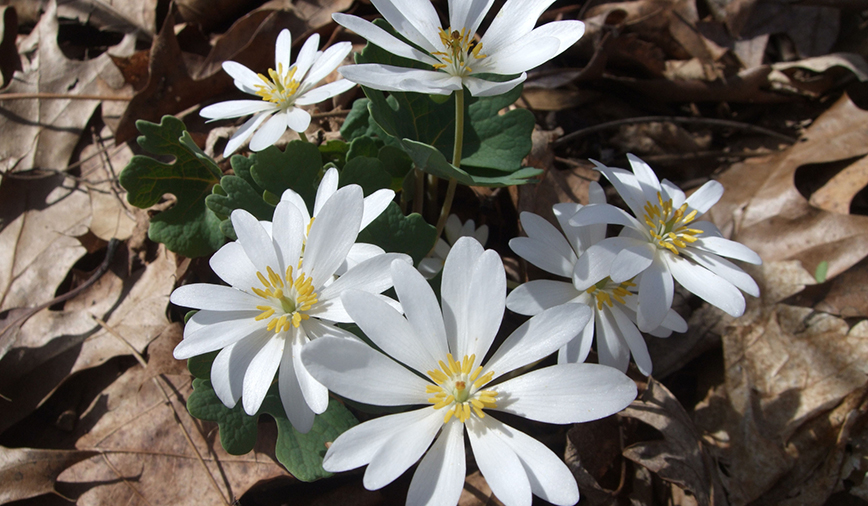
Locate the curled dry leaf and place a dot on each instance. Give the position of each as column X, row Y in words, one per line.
column 43, row 132
column 29, row 472
column 681, row 457
column 138, row 17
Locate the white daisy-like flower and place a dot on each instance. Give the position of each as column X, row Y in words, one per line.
column 432, row 361
column 279, row 300
column 454, row 230
column 374, row 205
column 667, row 242
column 614, row 304
column 281, row 92
column 510, row 46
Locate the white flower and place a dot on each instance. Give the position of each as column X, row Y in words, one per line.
column 510, row 46
column 666, row 243
column 433, row 363
column 374, row 205
column 279, row 300
column 286, row 87
column 431, row 265
column 614, row 304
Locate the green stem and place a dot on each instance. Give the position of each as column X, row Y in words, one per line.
column 456, row 160
column 303, row 136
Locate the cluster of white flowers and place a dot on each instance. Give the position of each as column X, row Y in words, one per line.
column 294, row 279
column 627, row 279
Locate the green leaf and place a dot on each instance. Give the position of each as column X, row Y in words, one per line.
column 432, row 161
column 236, row 193
column 364, row 146
column 189, row 227
column 200, row 365
column 301, row 454
column 367, row 173
column 395, row 232
column 297, row 168
column 334, row 151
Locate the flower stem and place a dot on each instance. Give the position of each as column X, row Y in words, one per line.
column 303, row 136
column 456, row 159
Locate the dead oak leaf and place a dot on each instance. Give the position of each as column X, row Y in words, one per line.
column 43, row 132
column 30, row 472
column 763, row 209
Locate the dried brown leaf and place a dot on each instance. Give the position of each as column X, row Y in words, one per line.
column 43, row 132
column 125, row 16
column 29, row 472
column 112, row 217
column 681, row 457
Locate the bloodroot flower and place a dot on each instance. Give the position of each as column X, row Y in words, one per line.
column 668, row 241
column 510, row 46
column 286, row 87
column 278, row 301
column 614, row 304
column 433, row 359
column 454, row 230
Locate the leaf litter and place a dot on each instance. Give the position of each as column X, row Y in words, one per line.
column 766, row 409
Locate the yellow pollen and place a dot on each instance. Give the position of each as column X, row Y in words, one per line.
column 288, row 299
column 279, row 87
column 460, row 51
column 457, row 388
column 668, row 228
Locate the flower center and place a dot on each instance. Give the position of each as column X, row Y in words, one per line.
column 287, row 299
column 606, row 290
column 281, row 88
column 668, row 227
column 459, row 51
column 457, row 386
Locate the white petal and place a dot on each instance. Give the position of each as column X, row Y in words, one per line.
column 216, row 332
column 282, row 50
column 357, row 446
column 566, row 393
column 604, row 213
column 246, row 80
column 235, row 109
column 655, row 294
column 213, row 297
column 333, row 233
column 483, row 88
column 536, row 296
column 288, row 235
column 647, row 179
column 439, row 478
column 706, row 285
column 415, row 19
column 260, row 374
column 243, row 133
column 725, row 269
column 354, row 370
column 422, row 310
column 358, row 253
column 324, row 92
column 706, row 196
column 401, row 451
column 596, row 262
column 628, row 187
column 457, row 271
column 671, row 191
column 299, row 413
column 257, row 243
column 549, row 477
column 539, row 337
column 379, row 37
column 453, row 228
column 580, row 238
column 391, row 332
column 547, row 246
column 612, row 351
column 467, row 14
column 230, row 365
column 315, row 394
column 375, row 204
column 631, row 261
column 327, row 187
column 231, row 264
column 429, row 267
column 330, row 59
column 577, row 350
column 727, row 248
column 269, row 133
column 498, row 463
column 306, row 56
column 388, row 78
column 487, row 296
column 513, row 21
column 372, row 276
column 297, row 119
column 634, row 340
column 531, row 53
column 296, row 200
